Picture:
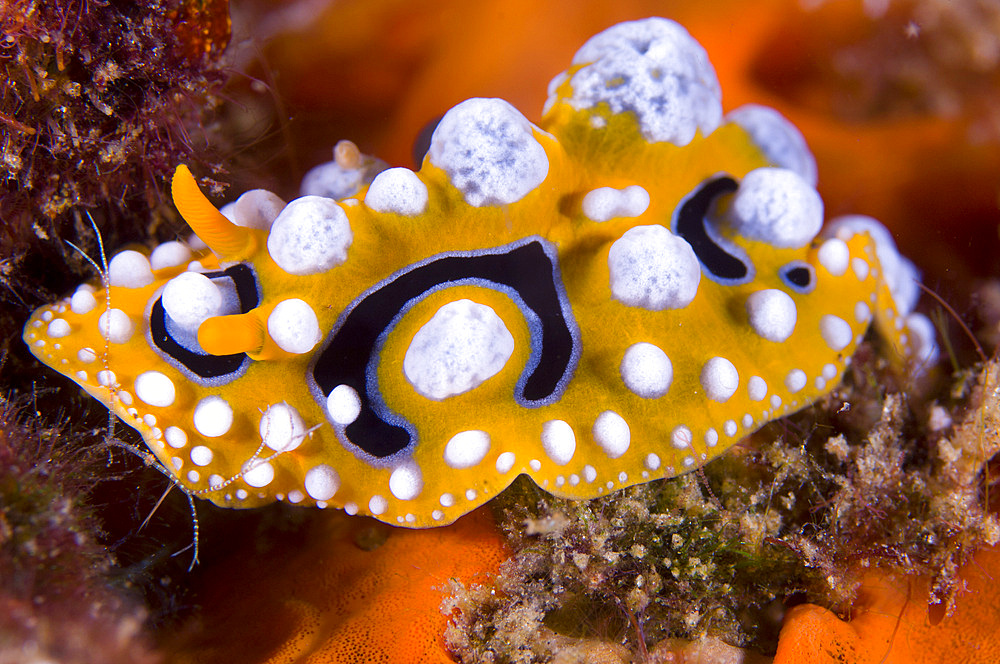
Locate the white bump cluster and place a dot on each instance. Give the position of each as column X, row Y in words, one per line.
column 654, row 69
column 406, row 482
column 780, row 140
column 169, row 254
column 772, row 314
column 467, row 449
column 322, row 482
column 606, row 203
column 83, row 301
column 795, row 380
column 862, row 312
column 213, row 417
column 115, row 326
column 293, row 326
column 175, row 437
column 681, row 437
column 257, row 208
column 836, row 332
column 834, row 255
column 463, row 345
column 310, row 236
column 201, row 455
column 611, row 432
column 130, row 269
column 559, row 441
column 155, row 389
column 901, row 275
column 343, row 404
column 190, row 298
column 281, row 427
column 652, row 268
column 756, row 388
column 860, row 268
column 489, row 152
column 58, row 328
column 334, row 180
column 505, row 462
column 258, row 473
column 776, row 206
column 720, row 379
column 397, row 190
column 646, row 370
column 378, row 505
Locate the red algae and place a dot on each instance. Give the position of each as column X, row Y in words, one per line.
column 56, row 601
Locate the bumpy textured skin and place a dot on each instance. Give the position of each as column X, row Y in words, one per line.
column 503, row 224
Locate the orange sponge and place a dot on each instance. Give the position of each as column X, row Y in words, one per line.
column 893, row 624
column 337, row 599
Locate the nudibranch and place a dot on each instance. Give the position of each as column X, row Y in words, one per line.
column 617, row 294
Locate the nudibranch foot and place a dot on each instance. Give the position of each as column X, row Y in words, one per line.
column 614, row 295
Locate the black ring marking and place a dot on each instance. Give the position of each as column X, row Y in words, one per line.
column 202, row 364
column 348, row 357
column 690, row 225
column 799, row 276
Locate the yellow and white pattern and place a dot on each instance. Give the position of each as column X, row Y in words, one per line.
column 616, row 295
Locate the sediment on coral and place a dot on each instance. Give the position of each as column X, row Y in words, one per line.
column 876, row 475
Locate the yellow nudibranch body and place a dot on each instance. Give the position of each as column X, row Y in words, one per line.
column 616, row 295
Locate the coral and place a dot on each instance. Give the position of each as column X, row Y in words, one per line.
column 353, row 591
column 659, row 561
